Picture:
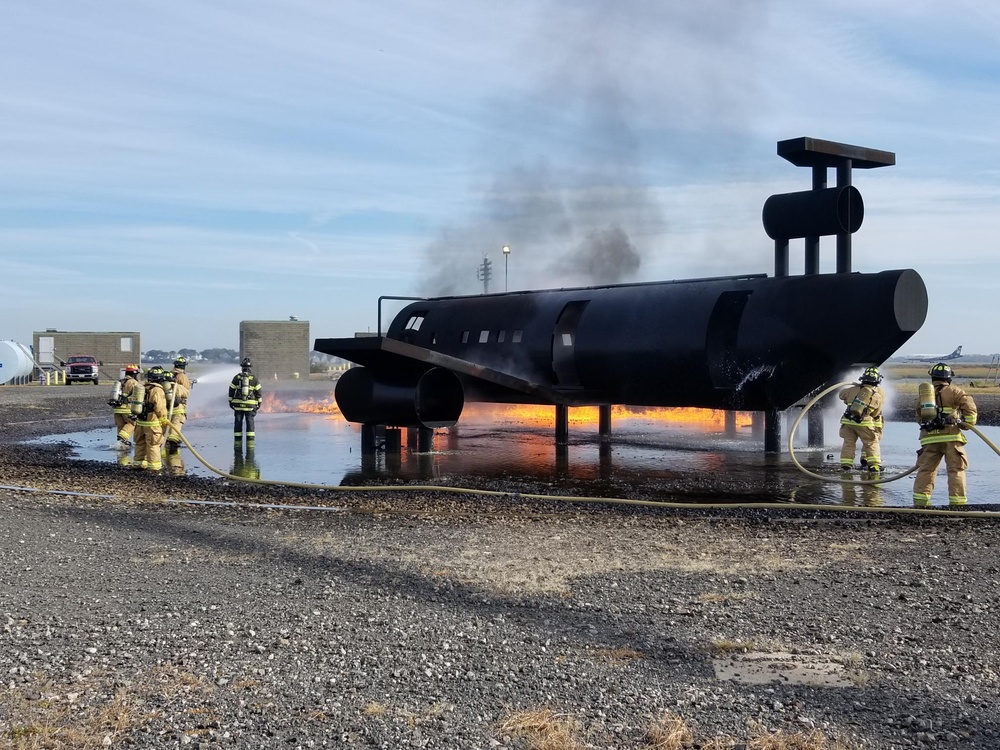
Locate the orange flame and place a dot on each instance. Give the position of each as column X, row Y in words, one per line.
column 272, row 404
column 544, row 416
column 536, row 415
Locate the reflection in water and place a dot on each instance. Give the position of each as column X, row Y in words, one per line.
column 245, row 463
column 868, row 495
column 124, row 453
column 174, row 458
column 645, row 458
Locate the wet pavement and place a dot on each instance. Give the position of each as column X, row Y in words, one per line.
column 666, row 455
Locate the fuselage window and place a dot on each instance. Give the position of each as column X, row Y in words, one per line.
column 413, row 324
column 501, row 337
column 567, row 339
column 465, row 337
column 484, row 337
column 517, row 337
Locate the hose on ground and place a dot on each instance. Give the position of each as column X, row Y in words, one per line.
column 834, row 480
column 580, row 499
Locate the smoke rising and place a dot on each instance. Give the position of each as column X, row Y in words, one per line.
column 606, row 254
column 566, row 181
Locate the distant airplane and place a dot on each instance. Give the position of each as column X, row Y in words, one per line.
column 957, row 354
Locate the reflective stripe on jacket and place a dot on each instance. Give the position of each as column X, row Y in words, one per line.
column 253, row 398
column 180, row 394
column 154, row 407
column 953, row 404
column 872, row 415
column 128, row 385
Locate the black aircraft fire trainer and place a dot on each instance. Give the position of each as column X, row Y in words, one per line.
column 749, row 343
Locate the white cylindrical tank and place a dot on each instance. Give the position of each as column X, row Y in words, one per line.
column 15, row 361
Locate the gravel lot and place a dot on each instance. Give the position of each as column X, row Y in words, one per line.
column 434, row 620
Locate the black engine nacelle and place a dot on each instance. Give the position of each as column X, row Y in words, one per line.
column 436, row 399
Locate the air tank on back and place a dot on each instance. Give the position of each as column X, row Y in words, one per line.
column 16, row 362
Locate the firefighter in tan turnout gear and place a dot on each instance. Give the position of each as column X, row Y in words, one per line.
column 863, row 421
column 121, row 402
column 244, row 399
column 176, row 395
column 180, row 373
column 942, row 422
column 150, row 422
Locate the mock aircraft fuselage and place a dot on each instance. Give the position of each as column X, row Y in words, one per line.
column 750, row 343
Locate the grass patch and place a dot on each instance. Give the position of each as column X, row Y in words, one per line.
column 61, row 720
column 94, row 712
column 669, row 732
column 544, row 729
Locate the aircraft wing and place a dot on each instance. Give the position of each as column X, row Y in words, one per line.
column 488, row 384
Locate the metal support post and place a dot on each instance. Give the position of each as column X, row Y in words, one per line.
column 562, row 424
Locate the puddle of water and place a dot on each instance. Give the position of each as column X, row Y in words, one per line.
column 646, row 458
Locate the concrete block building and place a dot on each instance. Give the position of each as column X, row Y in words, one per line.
column 278, row 349
column 114, row 349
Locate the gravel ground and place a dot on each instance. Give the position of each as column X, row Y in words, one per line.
column 433, row 620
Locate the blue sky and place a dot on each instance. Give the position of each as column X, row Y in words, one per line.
column 175, row 168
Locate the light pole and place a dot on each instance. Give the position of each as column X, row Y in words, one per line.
column 506, row 255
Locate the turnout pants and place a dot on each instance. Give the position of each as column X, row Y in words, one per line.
column 124, row 427
column 147, row 447
column 240, row 417
column 177, row 420
column 870, row 451
column 955, row 460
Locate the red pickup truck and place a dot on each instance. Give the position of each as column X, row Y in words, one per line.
column 82, row 367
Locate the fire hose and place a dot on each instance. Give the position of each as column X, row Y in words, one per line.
column 580, row 499
column 841, row 480
column 567, row 498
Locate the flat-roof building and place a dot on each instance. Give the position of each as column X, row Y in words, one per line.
column 278, row 349
column 114, row 349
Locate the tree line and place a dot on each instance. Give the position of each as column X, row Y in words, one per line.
column 213, row 356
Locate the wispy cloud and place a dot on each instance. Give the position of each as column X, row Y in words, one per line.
column 238, row 164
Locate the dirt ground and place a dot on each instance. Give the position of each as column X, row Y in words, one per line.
column 156, row 611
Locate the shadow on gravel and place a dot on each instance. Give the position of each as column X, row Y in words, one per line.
column 671, row 657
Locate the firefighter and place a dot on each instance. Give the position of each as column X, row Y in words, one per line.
column 120, row 402
column 942, row 437
column 150, row 423
column 176, row 396
column 180, row 373
column 244, row 400
column 863, row 421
